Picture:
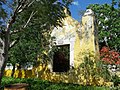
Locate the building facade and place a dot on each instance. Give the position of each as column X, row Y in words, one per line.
column 72, row 43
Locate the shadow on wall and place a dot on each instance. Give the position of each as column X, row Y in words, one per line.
column 85, row 74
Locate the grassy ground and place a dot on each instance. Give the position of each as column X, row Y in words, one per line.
column 37, row 84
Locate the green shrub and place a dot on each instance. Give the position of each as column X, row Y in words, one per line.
column 37, row 84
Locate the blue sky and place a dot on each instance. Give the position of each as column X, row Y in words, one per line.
column 78, row 5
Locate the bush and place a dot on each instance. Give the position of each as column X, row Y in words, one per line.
column 37, row 84
column 110, row 56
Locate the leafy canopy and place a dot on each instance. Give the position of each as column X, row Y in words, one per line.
column 108, row 18
column 34, row 39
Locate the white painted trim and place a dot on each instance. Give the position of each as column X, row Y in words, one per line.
column 71, row 42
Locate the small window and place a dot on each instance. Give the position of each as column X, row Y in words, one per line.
column 61, row 58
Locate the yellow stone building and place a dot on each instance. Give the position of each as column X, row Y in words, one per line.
column 72, row 43
column 79, row 40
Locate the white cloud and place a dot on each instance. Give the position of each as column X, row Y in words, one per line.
column 75, row 3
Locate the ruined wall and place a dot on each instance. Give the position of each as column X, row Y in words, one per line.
column 82, row 38
column 86, row 43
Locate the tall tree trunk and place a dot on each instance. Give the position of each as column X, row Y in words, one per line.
column 13, row 70
column 1, row 57
column 5, row 53
column 4, row 56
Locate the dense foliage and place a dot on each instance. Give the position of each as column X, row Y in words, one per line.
column 95, row 72
column 35, row 38
column 16, row 16
column 30, row 26
column 108, row 21
column 36, row 84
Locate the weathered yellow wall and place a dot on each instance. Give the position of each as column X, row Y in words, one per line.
column 85, row 45
column 82, row 47
column 73, row 76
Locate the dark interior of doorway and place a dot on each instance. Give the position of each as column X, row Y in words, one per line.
column 61, row 58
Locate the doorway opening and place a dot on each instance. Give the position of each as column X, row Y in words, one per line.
column 61, row 58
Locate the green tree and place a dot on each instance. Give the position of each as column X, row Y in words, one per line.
column 23, row 13
column 36, row 38
column 108, row 18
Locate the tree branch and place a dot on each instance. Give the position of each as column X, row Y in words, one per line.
column 16, row 31
column 13, row 43
column 32, row 14
column 31, row 3
column 21, row 6
column 26, row 4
